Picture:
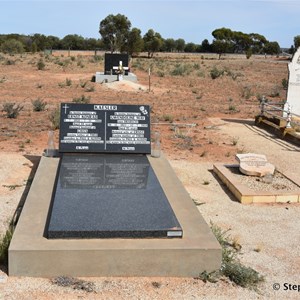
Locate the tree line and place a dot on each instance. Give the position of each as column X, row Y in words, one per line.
column 118, row 36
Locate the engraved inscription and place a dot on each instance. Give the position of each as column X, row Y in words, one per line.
column 85, row 124
column 105, row 128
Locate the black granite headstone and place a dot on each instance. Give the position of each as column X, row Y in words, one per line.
column 110, row 196
column 112, row 60
column 104, row 128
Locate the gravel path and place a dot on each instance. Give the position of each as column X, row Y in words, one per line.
column 268, row 234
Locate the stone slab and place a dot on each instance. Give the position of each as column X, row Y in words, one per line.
column 254, row 164
column 104, row 78
column 32, row 254
column 104, row 128
column 110, row 196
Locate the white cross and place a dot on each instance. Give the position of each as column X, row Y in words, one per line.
column 65, row 107
column 120, row 66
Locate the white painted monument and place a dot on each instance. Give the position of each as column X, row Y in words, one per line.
column 293, row 94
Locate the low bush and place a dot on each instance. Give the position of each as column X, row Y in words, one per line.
column 4, row 244
column 180, row 70
column 12, row 110
column 82, row 99
column 168, row 118
column 232, row 268
column 54, row 118
column 284, row 83
column 41, row 65
column 215, row 72
column 39, row 104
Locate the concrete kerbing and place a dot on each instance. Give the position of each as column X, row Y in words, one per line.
column 246, row 195
column 31, row 254
column 278, row 129
column 103, row 78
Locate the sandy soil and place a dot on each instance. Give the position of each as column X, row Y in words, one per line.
column 205, row 131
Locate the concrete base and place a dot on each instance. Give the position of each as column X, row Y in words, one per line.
column 247, row 196
column 31, row 254
column 101, row 77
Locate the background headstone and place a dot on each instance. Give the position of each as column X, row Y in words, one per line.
column 112, row 60
column 254, row 164
column 293, row 93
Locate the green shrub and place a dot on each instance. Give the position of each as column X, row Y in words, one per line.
column 83, row 83
column 4, row 244
column 96, row 59
column 231, row 267
column 200, row 74
column 160, row 74
column 41, row 65
column 39, row 104
column 3, row 79
column 10, row 62
column 82, row 99
column 180, row 70
column 68, row 82
column 215, row 72
column 168, row 118
column 12, row 110
column 248, row 53
column 243, row 276
column 54, row 118
column 232, row 108
column 284, row 83
column 12, row 46
column 80, row 64
column 246, row 92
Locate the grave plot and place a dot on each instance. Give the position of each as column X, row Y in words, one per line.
column 105, row 207
column 255, row 180
column 116, row 68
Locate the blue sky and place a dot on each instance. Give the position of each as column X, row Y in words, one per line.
column 193, row 21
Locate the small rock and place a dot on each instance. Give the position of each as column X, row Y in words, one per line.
column 3, row 278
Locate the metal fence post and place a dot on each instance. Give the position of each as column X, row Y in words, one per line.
column 262, row 106
column 288, row 117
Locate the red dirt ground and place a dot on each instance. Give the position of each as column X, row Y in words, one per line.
column 187, row 99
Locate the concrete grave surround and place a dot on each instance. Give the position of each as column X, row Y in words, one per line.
column 32, row 254
column 245, row 195
column 254, row 164
column 293, row 94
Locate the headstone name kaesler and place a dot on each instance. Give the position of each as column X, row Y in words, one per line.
column 106, row 207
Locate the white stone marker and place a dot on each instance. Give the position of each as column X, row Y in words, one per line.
column 293, row 93
column 254, row 164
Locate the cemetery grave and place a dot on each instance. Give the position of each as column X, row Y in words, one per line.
column 105, row 207
column 116, row 68
column 254, row 180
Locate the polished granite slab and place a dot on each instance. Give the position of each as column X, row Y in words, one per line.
column 109, row 196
